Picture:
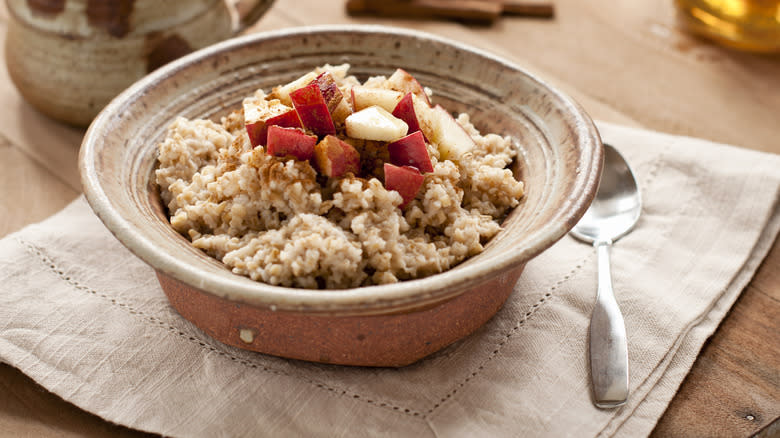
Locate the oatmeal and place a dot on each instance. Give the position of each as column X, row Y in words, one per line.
column 329, row 183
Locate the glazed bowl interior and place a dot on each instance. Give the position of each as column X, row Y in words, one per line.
column 559, row 153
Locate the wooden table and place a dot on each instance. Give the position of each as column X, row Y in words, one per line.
column 625, row 61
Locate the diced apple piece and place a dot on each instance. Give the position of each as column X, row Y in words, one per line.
column 259, row 109
column 337, row 71
column 312, row 110
column 282, row 92
column 405, row 111
column 420, row 105
column 364, row 97
column 342, row 111
column 441, row 129
column 411, row 151
column 290, row 141
column 257, row 112
column 258, row 131
column 402, row 81
column 375, row 123
column 289, row 119
column 405, row 180
column 334, row 158
column 330, row 91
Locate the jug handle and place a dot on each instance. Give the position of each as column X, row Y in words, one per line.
column 249, row 13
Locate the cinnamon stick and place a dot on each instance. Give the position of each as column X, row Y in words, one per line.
column 540, row 9
column 466, row 10
column 478, row 11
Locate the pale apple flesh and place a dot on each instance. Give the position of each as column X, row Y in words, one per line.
column 375, row 123
column 364, row 97
column 283, row 92
column 411, row 151
column 443, row 131
column 402, row 81
column 283, row 142
column 342, row 111
column 406, row 180
column 312, row 110
column 335, row 158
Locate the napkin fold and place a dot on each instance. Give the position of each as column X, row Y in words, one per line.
column 87, row 320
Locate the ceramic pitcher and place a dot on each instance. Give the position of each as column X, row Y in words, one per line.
column 69, row 58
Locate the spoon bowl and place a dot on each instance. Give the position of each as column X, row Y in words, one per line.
column 613, row 213
column 617, row 205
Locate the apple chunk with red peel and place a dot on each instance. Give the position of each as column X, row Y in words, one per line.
column 375, row 123
column 282, row 92
column 443, row 131
column 334, row 158
column 402, row 81
column 312, row 109
column 364, row 97
column 406, row 180
column 261, row 113
column 258, row 132
column 405, row 111
column 330, row 91
column 411, row 151
column 290, row 141
column 289, row 119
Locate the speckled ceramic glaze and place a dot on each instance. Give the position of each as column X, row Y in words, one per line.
column 69, row 58
column 389, row 325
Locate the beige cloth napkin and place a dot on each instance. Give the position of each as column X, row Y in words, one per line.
column 86, row 319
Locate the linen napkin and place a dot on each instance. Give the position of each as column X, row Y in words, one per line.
column 87, row 320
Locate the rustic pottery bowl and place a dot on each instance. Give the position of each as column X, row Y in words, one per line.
column 69, row 59
column 560, row 161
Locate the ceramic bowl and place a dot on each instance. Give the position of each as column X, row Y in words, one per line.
column 560, row 159
column 70, row 59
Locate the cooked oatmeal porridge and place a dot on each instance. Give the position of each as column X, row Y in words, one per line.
column 329, row 183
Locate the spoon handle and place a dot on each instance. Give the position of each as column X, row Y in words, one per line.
column 608, row 345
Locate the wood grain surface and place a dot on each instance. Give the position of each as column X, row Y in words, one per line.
column 733, row 386
column 625, row 61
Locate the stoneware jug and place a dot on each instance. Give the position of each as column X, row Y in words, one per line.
column 69, row 58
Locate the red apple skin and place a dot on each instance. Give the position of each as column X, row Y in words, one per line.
column 406, row 180
column 312, row 110
column 334, row 158
column 258, row 131
column 330, row 91
column 405, row 111
column 290, row 141
column 411, row 151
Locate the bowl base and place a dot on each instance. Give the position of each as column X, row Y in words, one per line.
column 386, row 340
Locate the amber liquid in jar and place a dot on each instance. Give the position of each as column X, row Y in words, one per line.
column 744, row 24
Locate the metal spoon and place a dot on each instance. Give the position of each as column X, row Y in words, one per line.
column 612, row 215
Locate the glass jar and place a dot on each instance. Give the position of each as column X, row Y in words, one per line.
column 752, row 25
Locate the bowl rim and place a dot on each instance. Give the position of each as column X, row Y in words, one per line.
column 386, row 298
